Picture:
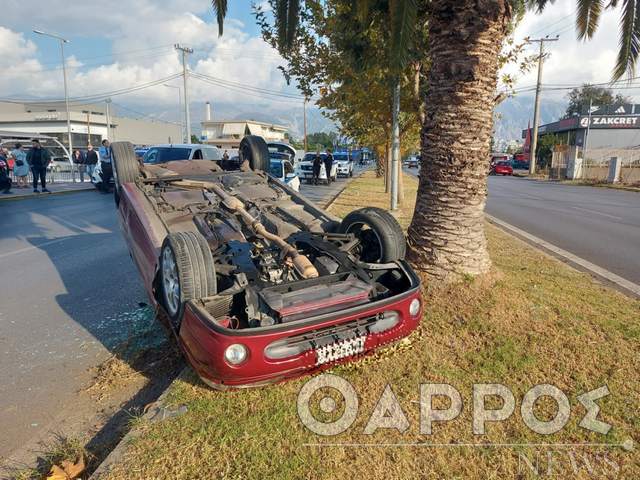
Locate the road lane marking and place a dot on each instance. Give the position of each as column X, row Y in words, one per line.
column 596, row 212
column 568, row 256
column 32, row 247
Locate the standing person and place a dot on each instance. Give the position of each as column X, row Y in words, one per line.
column 105, row 165
column 317, row 164
column 79, row 162
column 328, row 163
column 90, row 160
column 225, row 156
column 5, row 179
column 21, row 167
column 38, row 159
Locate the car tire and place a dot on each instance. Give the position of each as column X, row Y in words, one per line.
column 125, row 166
column 255, row 150
column 383, row 240
column 187, row 272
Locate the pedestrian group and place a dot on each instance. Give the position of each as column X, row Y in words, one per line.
column 38, row 158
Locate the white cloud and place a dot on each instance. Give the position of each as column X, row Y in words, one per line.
column 142, row 34
column 570, row 61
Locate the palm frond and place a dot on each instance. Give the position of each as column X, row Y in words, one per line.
column 361, row 9
column 220, row 9
column 292, row 21
column 403, row 23
column 587, row 17
column 287, row 17
column 629, row 39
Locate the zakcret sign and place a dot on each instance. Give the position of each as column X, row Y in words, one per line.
column 611, row 121
column 323, row 390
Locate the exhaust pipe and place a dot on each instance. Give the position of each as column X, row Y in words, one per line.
column 300, row 262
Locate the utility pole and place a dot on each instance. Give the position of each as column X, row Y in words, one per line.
column 395, row 145
column 536, row 108
column 108, row 112
column 304, row 115
column 185, row 76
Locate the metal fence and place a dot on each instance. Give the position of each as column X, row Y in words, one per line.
column 72, row 175
column 595, row 164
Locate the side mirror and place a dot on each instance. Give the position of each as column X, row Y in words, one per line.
column 290, row 176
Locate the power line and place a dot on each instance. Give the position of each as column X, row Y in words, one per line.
column 94, row 97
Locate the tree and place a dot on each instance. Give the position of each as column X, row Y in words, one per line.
column 465, row 39
column 195, row 139
column 321, row 140
column 580, row 99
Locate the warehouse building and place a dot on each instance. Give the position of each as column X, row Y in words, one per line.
column 88, row 124
column 604, row 128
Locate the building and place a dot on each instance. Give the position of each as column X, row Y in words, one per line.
column 604, row 129
column 226, row 134
column 88, row 124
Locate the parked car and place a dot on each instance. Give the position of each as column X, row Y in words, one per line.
column 305, row 168
column 281, row 147
column 59, row 164
column 183, row 151
column 502, row 168
column 413, row 161
column 344, row 163
column 258, row 284
column 280, row 167
column 520, row 165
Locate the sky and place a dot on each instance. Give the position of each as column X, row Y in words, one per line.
column 124, row 43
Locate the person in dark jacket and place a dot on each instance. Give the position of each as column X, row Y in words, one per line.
column 38, row 159
column 79, row 162
column 317, row 164
column 5, row 179
column 328, row 164
column 90, row 160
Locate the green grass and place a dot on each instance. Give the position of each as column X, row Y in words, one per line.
column 532, row 320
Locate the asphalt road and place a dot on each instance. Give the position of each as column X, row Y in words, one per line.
column 600, row 225
column 68, row 290
column 322, row 194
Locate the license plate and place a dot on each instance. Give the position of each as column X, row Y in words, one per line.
column 341, row 349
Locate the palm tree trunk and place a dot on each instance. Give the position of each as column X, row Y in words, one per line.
column 446, row 235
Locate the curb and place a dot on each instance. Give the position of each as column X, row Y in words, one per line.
column 580, row 263
column 117, row 454
column 44, row 195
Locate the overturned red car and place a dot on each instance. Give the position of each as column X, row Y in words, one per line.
column 258, row 284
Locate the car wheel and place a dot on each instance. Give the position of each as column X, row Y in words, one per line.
column 187, row 272
column 254, row 149
column 125, row 166
column 350, row 173
column 381, row 237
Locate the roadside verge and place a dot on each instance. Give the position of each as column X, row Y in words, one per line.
column 533, row 320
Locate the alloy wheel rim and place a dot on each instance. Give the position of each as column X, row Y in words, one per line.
column 170, row 281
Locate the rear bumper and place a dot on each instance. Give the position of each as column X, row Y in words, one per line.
column 204, row 343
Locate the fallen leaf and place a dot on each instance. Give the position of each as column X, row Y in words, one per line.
column 67, row 470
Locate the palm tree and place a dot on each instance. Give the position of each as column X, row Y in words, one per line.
column 446, row 235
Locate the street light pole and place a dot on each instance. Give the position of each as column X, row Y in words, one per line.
column 179, row 109
column 66, row 89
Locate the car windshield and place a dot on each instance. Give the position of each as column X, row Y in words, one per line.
column 166, row 154
column 310, row 156
column 504, row 164
column 211, row 153
column 341, row 157
column 275, row 168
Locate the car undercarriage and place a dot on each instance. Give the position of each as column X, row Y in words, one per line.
column 276, row 259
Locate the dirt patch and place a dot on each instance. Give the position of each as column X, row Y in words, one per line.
column 144, row 362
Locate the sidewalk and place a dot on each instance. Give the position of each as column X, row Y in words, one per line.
column 55, row 188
